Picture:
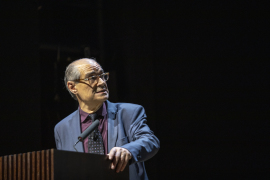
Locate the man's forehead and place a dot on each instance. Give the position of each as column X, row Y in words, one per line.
column 87, row 64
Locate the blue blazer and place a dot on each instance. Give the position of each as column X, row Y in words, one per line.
column 127, row 128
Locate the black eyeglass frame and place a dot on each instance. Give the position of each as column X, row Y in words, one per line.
column 94, row 77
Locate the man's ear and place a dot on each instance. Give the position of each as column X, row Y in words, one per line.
column 72, row 87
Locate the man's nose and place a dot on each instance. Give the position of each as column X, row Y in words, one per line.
column 100, row 81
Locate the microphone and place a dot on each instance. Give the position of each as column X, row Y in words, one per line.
column 86, row 133
column 88, row 130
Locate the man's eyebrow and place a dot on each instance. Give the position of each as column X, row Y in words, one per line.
column 93, row 73
column 89, row 74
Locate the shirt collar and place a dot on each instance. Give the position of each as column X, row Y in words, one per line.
column 102, row 111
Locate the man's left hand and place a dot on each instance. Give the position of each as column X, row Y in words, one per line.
column 120, row 157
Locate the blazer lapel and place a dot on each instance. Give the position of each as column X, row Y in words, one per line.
column 112, row 126
column 75, row 131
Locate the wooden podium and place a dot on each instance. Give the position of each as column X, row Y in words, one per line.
column 58, row 165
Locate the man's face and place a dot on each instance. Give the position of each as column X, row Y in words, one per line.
column 91, row 93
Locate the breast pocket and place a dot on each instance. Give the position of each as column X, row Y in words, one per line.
column 122, row 141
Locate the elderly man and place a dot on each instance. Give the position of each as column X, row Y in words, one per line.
column 122, row 132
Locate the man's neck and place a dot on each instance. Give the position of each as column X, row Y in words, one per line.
column 92, row 108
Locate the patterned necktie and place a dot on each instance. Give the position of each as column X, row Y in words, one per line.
column 95, row 141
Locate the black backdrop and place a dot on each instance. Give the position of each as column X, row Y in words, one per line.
column 199, row 68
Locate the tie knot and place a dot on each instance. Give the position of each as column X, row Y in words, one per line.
column 93, row 116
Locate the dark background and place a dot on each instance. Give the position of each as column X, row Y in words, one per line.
column 200, row 69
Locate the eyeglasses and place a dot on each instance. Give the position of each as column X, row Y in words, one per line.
column 95, row 78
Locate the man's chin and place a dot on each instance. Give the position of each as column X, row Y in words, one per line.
column 103, row 98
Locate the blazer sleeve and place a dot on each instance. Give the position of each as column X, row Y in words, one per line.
column 143, row 144
column 57, row 139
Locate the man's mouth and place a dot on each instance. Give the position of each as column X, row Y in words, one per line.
column 101, row 91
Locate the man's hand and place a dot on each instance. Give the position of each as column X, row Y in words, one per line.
column 120, row 157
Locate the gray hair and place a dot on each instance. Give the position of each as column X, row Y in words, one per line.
column 72, row 73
